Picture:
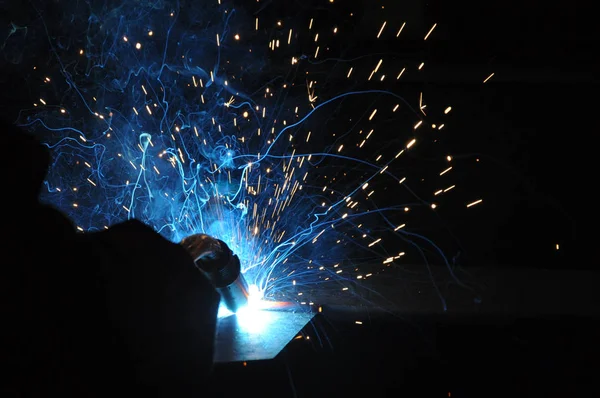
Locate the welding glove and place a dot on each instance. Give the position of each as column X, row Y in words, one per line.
column 121, row 311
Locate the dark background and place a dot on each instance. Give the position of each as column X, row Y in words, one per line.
column 534, row 128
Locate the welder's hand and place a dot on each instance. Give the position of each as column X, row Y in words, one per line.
column 118, row 312
column 161, row 308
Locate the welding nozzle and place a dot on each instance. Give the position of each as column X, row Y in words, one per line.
column 213, row 257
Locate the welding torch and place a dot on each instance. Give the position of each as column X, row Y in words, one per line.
column 222, row 267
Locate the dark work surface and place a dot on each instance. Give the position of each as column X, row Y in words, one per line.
column 536, row 341
column 428, row 356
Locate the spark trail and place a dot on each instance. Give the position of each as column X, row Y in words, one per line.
column 252, row 127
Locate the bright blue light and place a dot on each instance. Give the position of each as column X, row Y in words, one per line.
column 223, row 311
column 255, row 303
column 253, row 320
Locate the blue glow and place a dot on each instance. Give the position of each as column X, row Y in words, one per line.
column 189, row 118
column 255, row 304
column 250, row 319
column 253, row 320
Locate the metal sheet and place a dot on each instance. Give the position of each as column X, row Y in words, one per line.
column 257, row 335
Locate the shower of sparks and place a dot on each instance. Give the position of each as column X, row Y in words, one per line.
column 198, row 118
